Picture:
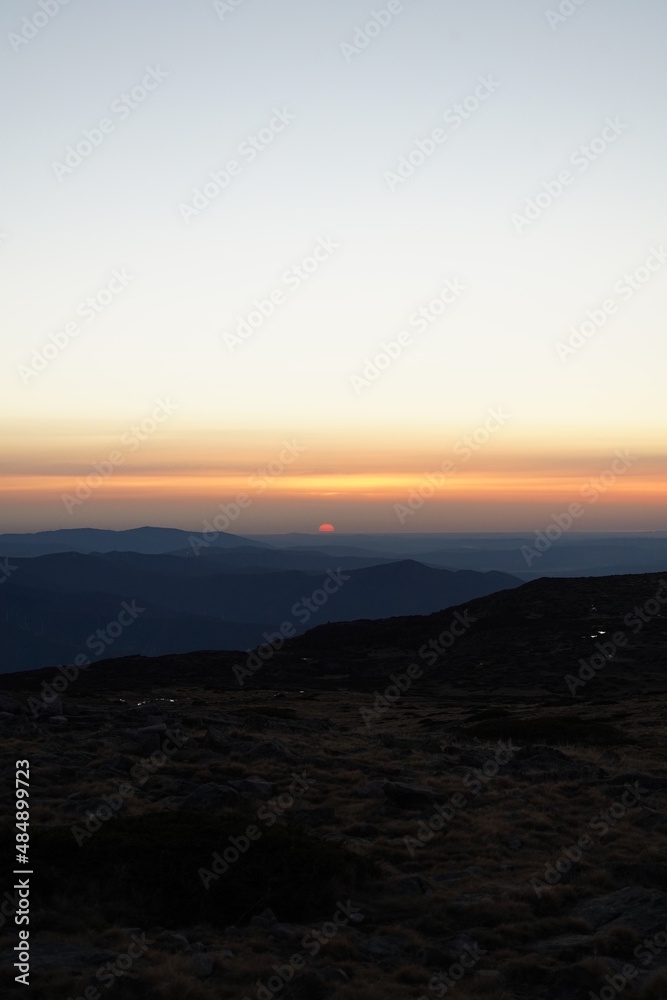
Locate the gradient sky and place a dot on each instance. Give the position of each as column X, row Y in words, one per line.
column 325, row 180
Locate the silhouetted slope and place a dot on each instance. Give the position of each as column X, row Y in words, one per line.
column 49, row 605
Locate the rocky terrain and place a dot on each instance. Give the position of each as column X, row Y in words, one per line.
column 472, row 803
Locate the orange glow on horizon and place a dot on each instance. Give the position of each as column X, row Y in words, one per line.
column 363, row 487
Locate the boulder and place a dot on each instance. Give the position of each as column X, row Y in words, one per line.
column 409, row 796
column 10, row 705
column 266, row 918
column 253, row 788
column 211, row 796
column 642, row 909
column 203, row 965
column 271, row 750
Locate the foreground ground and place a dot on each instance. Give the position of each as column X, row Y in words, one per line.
column 335, row 827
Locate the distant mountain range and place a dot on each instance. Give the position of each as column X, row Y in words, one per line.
column 57, row 607
column 148, row 540
column 65, row 594
column 547, row 642
column 521, row 554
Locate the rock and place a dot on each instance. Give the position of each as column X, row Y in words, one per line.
column 266, row 918
column 215, row 739
column 150, row 708
column 157, row 727
column 119, row 762
column 648, row 819
column 289, row 932
column 254, row 788
column 57, row 720
column 435, row 956
column 331, row 975
column 203, row 965
column 409, row 796
column 382, row 947
column 210, row 796
column 459, row 943
column 538, row 763
column 414, row 885
column 566, row 947
column 52, row 706
column 449, row 877
column 644, row 910
column 372, row 788
column 172, row 942
column 320, row 816
column 9, row 705
column 648, row 782
column 52, row 956
column 272, row 750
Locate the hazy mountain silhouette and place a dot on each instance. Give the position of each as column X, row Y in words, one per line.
column 147, row 540
column 50, row 605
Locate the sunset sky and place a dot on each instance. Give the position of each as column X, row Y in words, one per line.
column 167, row 352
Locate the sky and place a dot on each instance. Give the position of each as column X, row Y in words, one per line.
column 394, row 266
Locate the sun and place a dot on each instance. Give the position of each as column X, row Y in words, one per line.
column 327, row 527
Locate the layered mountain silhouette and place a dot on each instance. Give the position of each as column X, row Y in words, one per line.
column 147, row 540
column 53, row 607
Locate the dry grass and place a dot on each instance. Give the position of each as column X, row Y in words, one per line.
column 511, row 831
